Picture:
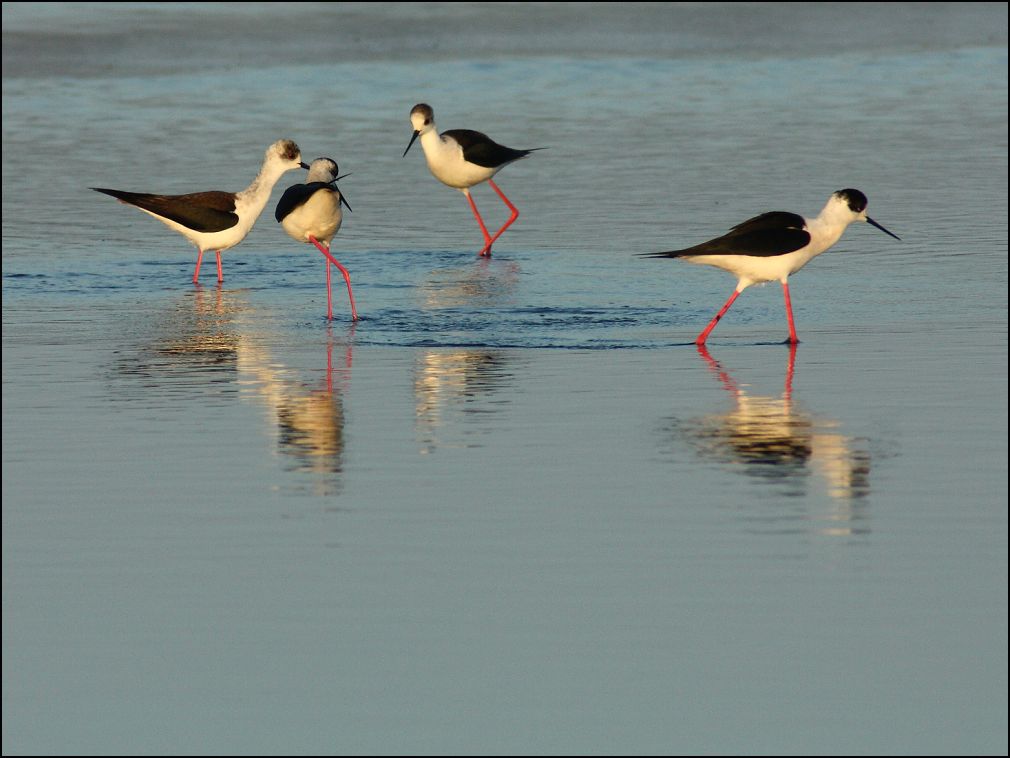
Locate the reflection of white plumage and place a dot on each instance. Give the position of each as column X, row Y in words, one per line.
column 454, row 380
column 210, row 341
column 311, row 213
column 772, row 439
column 309, row 420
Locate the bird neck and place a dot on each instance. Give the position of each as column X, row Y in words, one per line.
column 431, row 142
column 255, row 196
column 828, row 227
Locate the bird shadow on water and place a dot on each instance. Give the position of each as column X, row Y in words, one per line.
column 812, row 479
column 211, row 348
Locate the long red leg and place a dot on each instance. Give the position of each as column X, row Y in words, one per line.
column 512, row 218
column 220, row 273
column 329, row 293
column 789, row 314
column 486, row 250
column 199, row 261
column 708, row 329
column 350, row 294
column 344, row 271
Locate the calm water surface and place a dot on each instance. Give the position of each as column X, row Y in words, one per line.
column 513, row 509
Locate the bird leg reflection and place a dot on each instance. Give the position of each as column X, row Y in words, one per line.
column 775, row 441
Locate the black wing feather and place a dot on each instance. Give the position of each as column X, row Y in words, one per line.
column 297, row 195
column 200, row 211
column 481, row 150
column 771, row 220
column 774, row 233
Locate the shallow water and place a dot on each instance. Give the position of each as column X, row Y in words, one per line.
column 513, row 509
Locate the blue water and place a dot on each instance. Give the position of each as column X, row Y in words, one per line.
column 513, row 509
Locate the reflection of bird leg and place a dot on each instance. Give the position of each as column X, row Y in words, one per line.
column 718, row 370
column 790, row 366
column 329, row 350
column 767, row 437
column 348, row 353
column 730, row 385
column 201, row 306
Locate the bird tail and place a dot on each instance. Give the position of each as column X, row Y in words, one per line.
column 123, row 197
column 667, row 254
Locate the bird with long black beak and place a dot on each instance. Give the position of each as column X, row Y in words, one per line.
column 217, row 220
column 773, row 246
column 462, row 158
column 310, row 213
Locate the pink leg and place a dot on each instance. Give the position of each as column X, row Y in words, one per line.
column 344, row 271
column 512, row 218
column 220, row 273
column 708, row 329
column 350, row 294
column 329, row 293
column 199, row 261
column 486, row 250
column 789, row 314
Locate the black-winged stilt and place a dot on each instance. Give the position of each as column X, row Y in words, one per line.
column 462, row 158
column 772, row 246
column 217, row 220
column 311, row 213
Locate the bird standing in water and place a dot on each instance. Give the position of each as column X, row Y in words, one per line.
column 775, row 245
column 310, row 212
column 217, row 220
column 462, row 158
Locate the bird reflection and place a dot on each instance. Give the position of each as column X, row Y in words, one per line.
column 774, row 440
column 207, row 329
column 196, row 345
column 485, row 284
column 309, row 416
column 215, row 343
column 448, row 383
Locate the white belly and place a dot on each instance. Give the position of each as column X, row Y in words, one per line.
column 319, row 217
column 752, row 269
column 446, row 163
column 222, row 240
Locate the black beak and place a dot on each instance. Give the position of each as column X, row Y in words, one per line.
column 874, row 223
column 343, row 199
column 410, row 143
column 304, row 165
